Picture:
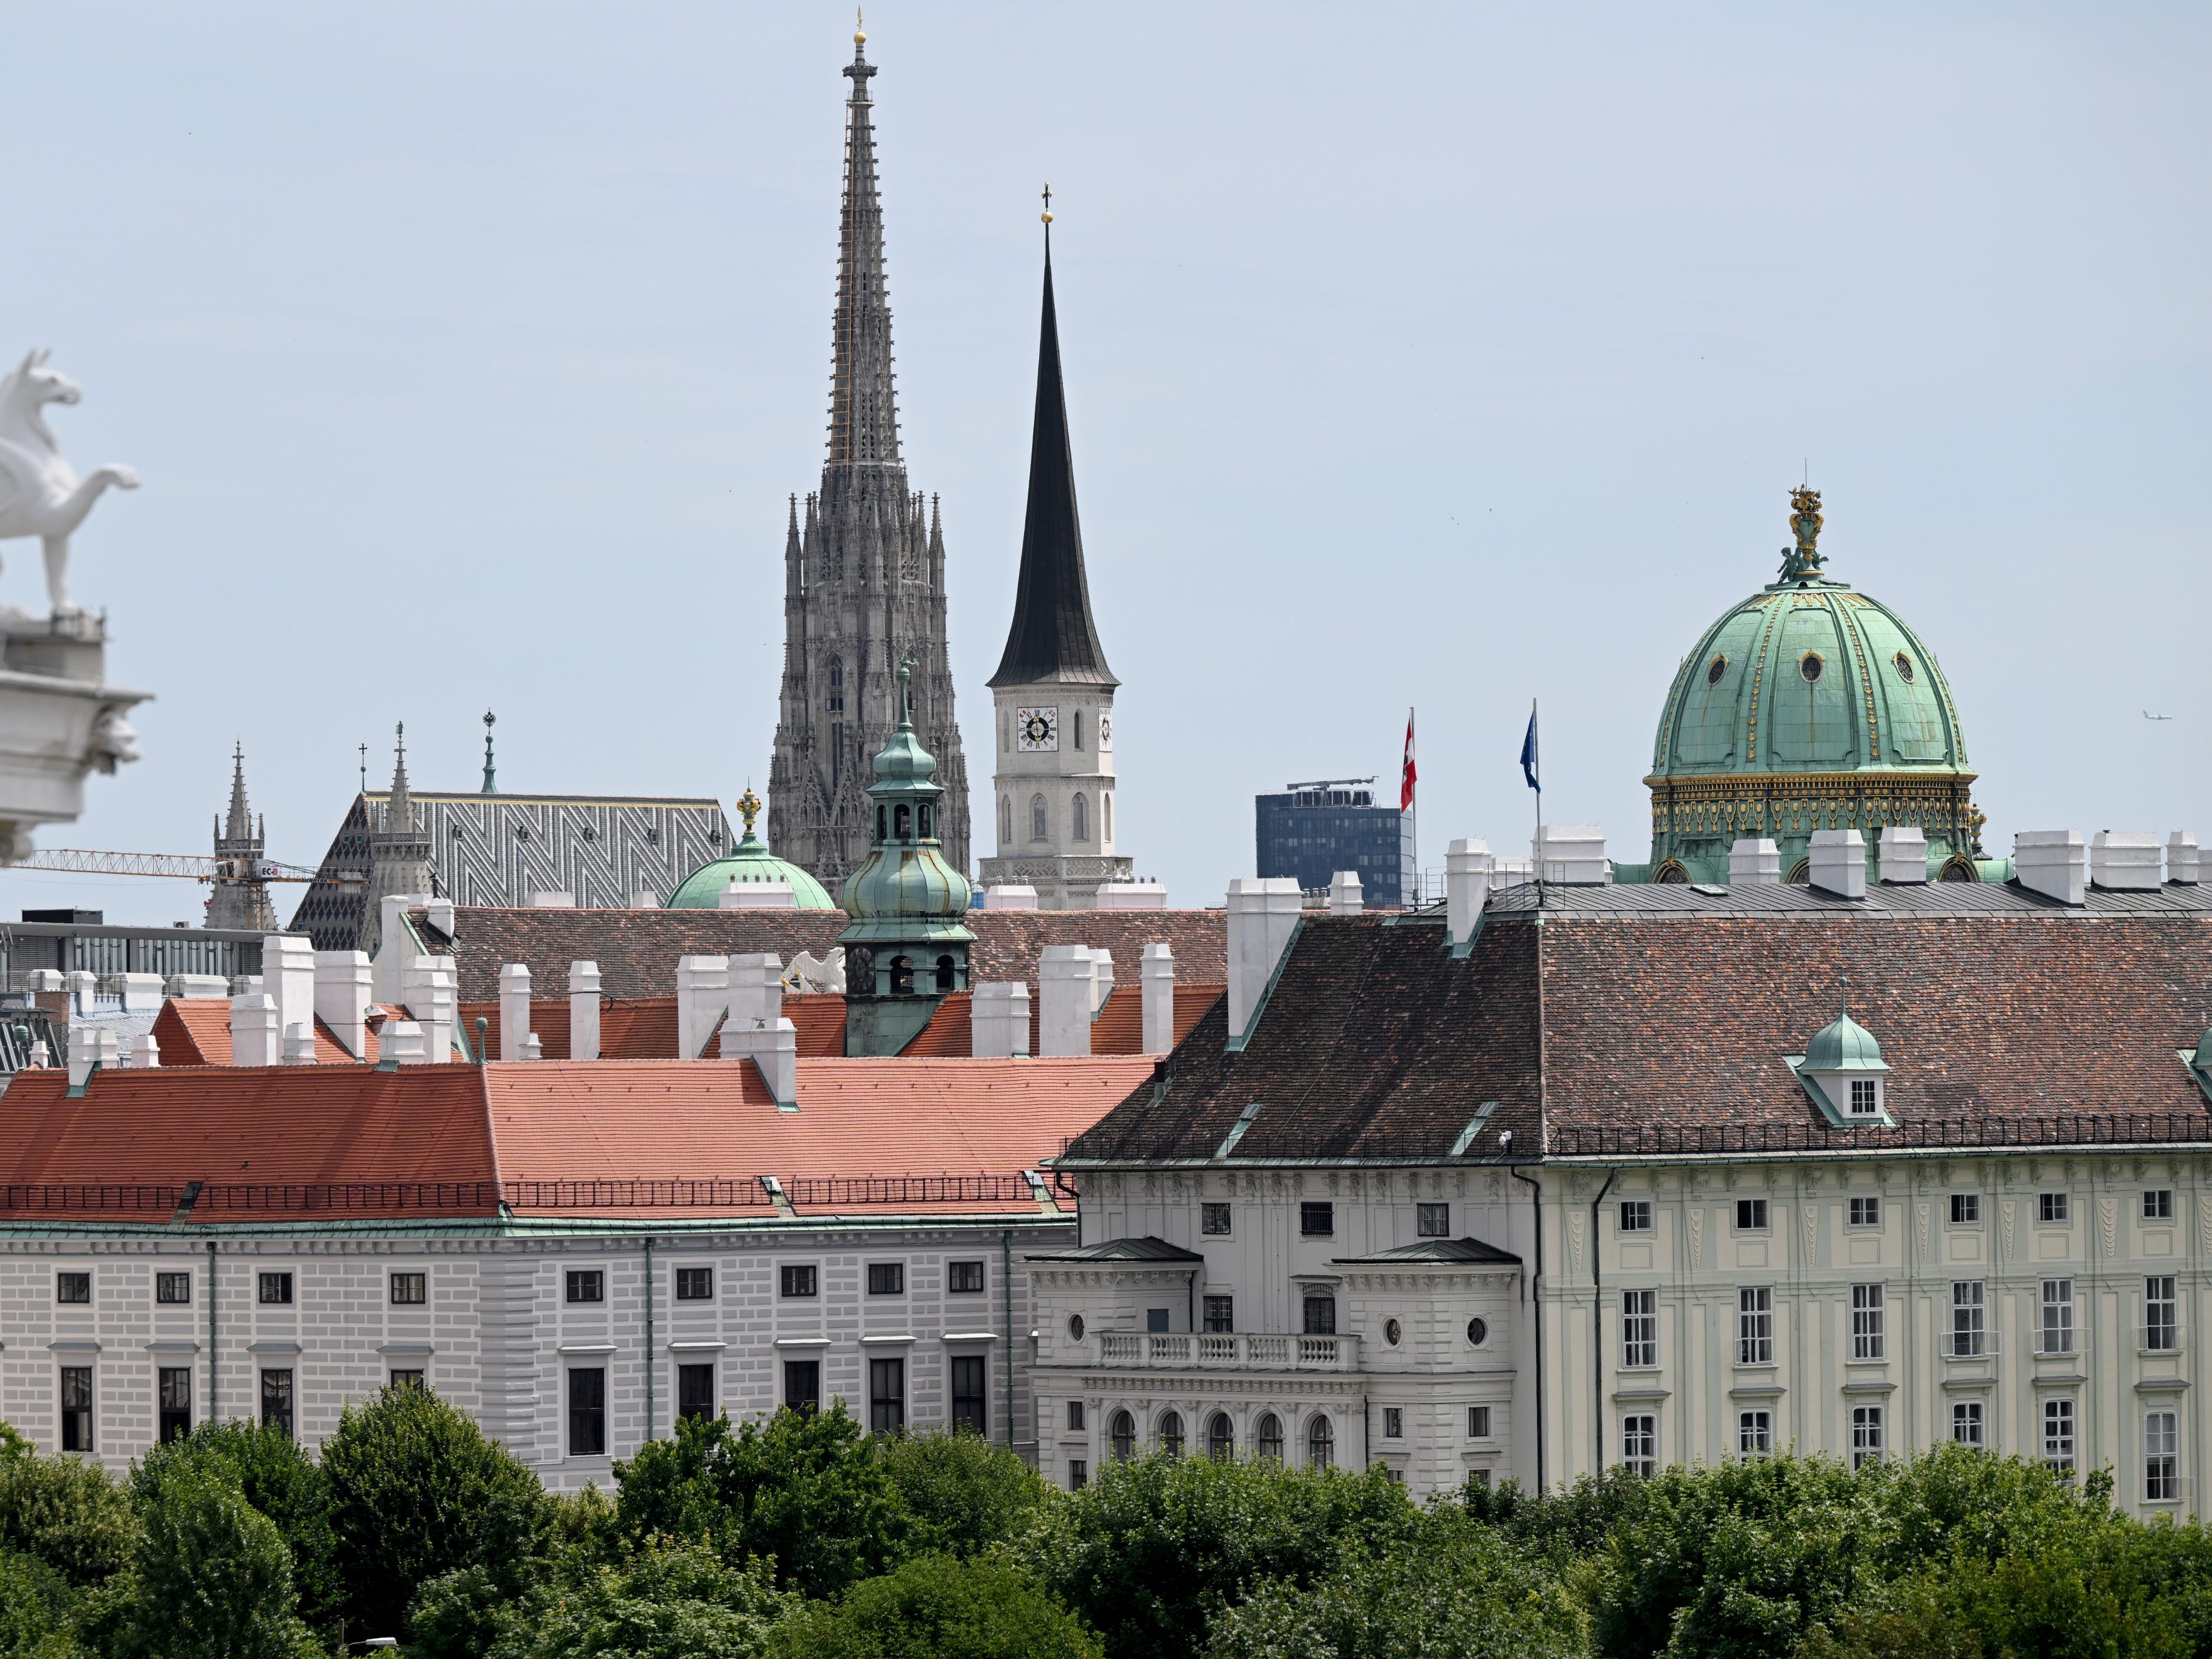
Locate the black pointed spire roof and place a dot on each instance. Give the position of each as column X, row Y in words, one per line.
column 1052, row 638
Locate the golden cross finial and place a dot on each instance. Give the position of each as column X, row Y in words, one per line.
column 749, row 806
column 1046, row 215
column 860, row 29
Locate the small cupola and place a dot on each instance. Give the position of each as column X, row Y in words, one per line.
column 2200, row 1062
column 1842, row 1069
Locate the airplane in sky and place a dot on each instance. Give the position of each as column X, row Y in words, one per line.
column 2149, row 716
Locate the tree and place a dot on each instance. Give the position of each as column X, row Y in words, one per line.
column 214, row 1579
column 669, row 1601
column 66, row 1512
column 936, row 1606
column 806, row 1488
column 1148, row 1551
column 971, row 1493
column 275, row 1477
column 417, row 1491
column 37, row 1610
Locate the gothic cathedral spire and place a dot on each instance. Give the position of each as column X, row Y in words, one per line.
column 864, row 572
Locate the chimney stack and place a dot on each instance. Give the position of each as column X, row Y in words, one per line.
column 1067, row 988
column 402, row 1044
column 1753, row 860
column 1156, row 978
column 1571, row 855
column 342, row 984
column 513, row 1009
column 2052, row 862
column 1263, row 914
column 142, row 992
column 2182, row 863
column 253, row 1036
column 703, row 997
column 1101, row 978
column 2121, row 862
column 998, row 1021
column 583, row 1011
column 299, row 1044
column 1838, row 862
column 756, row 1006
column 429, row 991
column 144, row 1053
column 775, row 1052
column 1145, row 895
column 89, row 1046
column 759, row 896
column 1010, row 896
column 1345, row 898
column 1468, row 870
column 1904, row 856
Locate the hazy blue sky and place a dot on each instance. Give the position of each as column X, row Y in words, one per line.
column 1434, row 356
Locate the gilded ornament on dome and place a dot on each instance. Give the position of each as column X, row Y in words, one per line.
column 1803, row 561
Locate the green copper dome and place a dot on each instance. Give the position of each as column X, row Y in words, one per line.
column 1844, row 1045
column 749, row 860
column 1807, row 706
column 906, row 892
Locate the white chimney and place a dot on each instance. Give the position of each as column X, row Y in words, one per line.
column 438, row 913
column 287, row 976
column 583, row 1011
column 775, row 1052
column 402, row 1044
column 531, row 1047
column 1345, row 898
column 756, row 1004
column 552, row 901
column 703, row 997
column 644, row 898
column 513, row 1009
column 2052, row 862
column 342, row 980
column 1146, row 895
column 49, row 979
column 2124, row 861
column 394, row 950
column 1066, row 978
column 1838, row 861
column 1156, row 979
column 142, row 992
column 2182, row 863
column 430, row 993
column 89, row 1046
column 144, row 1054
column 998, row 1021
column 299, row 1043
column 82, row 988
column 253, row 1037
column 1101, row 978
column 1010, row 896
column 1754, row 860
column 1263, row 914
column 759, row 896
column 1571, row 855
column 1467, row 869
column 1904, row 856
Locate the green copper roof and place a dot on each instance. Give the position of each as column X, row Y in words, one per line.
column 749, row 861
column 1844, row 1046
column 2203, row 1059
column 905, row 891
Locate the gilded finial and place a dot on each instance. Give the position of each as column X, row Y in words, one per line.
column 1803, row 562
column 860, row 29
column 1046, row 215
column 749, row 806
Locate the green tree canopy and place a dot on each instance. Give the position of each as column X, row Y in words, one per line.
column 214, row 1578
column 669, row 1601
column 969, row 1493
column 936, row 1607
column 65, row 1512
column 275, row 1475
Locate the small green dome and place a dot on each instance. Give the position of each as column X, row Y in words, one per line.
column 749, row 860
column 905, row 891
column 1844, row 1046
column 2204, row 1060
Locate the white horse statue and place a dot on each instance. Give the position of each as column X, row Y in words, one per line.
column 41, row 493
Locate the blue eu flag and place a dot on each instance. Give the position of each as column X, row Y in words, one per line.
column 1528, row 755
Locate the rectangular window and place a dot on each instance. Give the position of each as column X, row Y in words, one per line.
column 409, row 1380
column 1432, row 1220
column 1639, row 1328
column 2161, row 1314
column 1316, row 1220
column 2053, row 1206
column 1213, row 1218
column 1478, row 1422
column 73, row 1287
column 886, row 1395
column 1750, row 1215
column 695, row 1392
column 1639, row 1443
column 1866, row 1212
column 2055, row 1330
column 802, row 1278
column 76, row 1408
column 802, row 1385
column 1636, row 1215
column 1754, row 1433
column 887, row 1279
column 1868, row 1336
column 1079, row 1474
column 1221, row 1315
column 1156, row 1319
column 1479, row 1478
column 970, row 1409
column 695, row 1284
column 1966, row 1423
column 410, row 1289
column 587, row 1411
column 1320, row 1315
column 2058, row 1434
column 172, row 1287
column 1969, row 1320
column 1866, row 1435
column 276, row 1401
column 176, row 1396
column 1866, row 1096
column 1965, row 1209
column 1754, row 1326
column 1394, row 1423
column 2162, row 1457
column 2157, row 1204
column 1075, row 1414
column 964, row 1278
column 587, row 1284
column 274, row 1290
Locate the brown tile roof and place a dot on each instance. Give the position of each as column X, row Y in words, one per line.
column 1663, row 1025
column 1119, row 1029
column 636, row 950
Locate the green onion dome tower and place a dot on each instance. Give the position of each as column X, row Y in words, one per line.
column 1808, row 705
column 905, row 948
column 749, row 861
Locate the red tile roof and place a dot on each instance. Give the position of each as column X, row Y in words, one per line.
column 644, row 1028
column 195, row 1032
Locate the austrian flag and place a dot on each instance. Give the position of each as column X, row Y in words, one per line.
column 1406, row 778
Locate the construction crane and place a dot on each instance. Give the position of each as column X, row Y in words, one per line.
column 188, row 867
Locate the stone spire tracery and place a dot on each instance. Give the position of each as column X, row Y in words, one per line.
column 238, row 897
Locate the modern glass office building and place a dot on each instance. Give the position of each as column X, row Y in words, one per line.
column 1312, row 830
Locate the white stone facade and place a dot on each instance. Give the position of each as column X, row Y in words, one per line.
column 1055, row 793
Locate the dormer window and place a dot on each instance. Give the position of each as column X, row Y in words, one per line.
column 1866, row 1096
column 1843, row 1072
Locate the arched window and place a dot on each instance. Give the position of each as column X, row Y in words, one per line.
column 1321, row 1444
column 836, row 698
column 1220, row 1435
column 880, row 833
column 944, row 973
column 1037, row 831
column 1106, row 818
column 902, row 823
column 1005, row 820
column 1125, row 1435
column 921, row 821
column 1079, row 729
column 1171, row 1434
column 902, row 976
column 1267, row 1438
column 1079, row 818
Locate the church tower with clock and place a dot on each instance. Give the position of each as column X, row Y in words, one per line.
column 1054, row 791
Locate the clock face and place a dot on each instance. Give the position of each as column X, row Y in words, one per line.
column 1105, row 731
column 1037, row 728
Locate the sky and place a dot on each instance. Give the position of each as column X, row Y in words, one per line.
column 1417, row 357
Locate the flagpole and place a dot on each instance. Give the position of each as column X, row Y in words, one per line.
column 1536, row 844
column 1414, row 813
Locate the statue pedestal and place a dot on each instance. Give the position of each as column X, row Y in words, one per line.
column 60, row 722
